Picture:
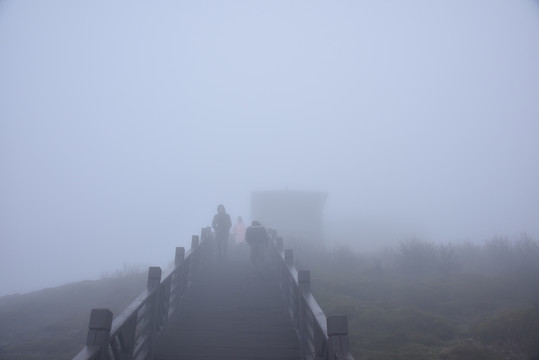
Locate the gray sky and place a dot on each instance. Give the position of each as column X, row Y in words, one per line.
column 123, row 124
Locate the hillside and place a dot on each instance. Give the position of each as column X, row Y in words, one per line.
column 428, row 301
column 52, row 323
column 418, row 301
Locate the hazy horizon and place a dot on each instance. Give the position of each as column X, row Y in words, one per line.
column 123, row 124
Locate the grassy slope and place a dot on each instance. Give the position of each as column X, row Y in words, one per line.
column 461, row 316
column 391, row 315
column 52, row 323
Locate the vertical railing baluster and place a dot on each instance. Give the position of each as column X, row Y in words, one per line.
column 126, row 338
column 164, row 301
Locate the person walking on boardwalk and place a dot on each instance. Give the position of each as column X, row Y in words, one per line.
column 239, row 231
column 221, row 224
column 257, row 238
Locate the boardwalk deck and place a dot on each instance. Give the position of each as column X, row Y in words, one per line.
column 227, row 314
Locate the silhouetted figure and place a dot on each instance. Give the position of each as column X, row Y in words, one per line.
column 221, row 224
column 257, row 238
column 239, row 231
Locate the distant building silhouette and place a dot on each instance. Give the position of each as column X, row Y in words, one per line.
column 296, row 214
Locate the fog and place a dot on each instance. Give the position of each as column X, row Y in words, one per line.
column 123, row 124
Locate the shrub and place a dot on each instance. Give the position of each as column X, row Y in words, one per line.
column 500, row 254
column 527, row 254
column 384, row 326
column 514, row 331
column 416, row 257
column 448, row 261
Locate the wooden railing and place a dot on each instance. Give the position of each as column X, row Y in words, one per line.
column 320, row 337
column 132, row 334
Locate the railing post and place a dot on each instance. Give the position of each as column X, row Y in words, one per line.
column 289, row 287
column 179, row 256
column 276, row 256
column 178, row 278
column 289, row 257
column 279, row 243
column 205, row 233
column 202, row 234
column 304, row 280
column 195, row 240
column 206, row 238
column 194, row 260
column 154, row 279
column 304, row 283
column 99, row 331
column 337, row 326
column 288, row 262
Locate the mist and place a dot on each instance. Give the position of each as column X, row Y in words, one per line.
column 123, row 125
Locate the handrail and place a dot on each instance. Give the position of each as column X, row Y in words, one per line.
column 132, row 334
column 320, row 337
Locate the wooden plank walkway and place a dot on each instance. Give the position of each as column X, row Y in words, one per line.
column 228, row 314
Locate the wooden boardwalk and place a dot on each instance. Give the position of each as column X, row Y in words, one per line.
column 230, row 314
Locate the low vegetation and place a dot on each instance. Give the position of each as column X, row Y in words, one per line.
column 418, row 301
column 429, row 301
column 52, row 323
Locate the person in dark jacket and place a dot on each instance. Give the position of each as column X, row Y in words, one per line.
column 257, row 238
column 221, row 224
